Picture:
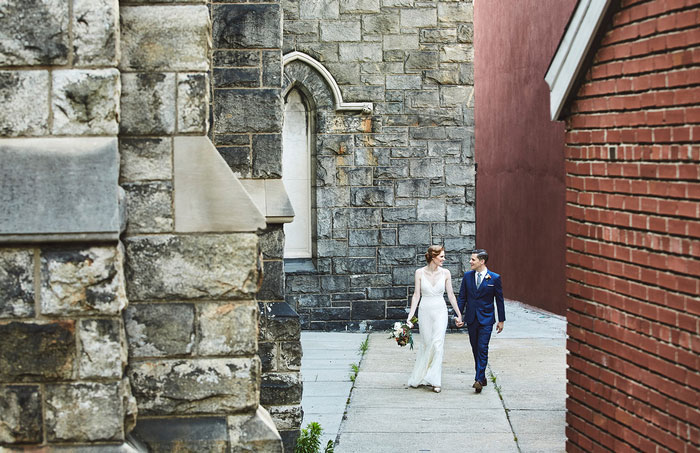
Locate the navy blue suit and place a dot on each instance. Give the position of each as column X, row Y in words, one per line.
column 479, row 314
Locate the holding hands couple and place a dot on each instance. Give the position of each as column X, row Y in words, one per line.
column 475, row 306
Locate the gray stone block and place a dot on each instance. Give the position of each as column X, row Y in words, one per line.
column 388, row 236
column 354, row 265
column 272, row 241
column 103, row 350
column 455, row 12
column 95, row 32
column 290, row 355
column 418, row 17
column 414, row 234
column 40, row 202
column 182, row 34
column 40, row 351
column 460, row 175
column 403, row 82
column 431, row 210
column 16, row 283
column 255, row 432
column 227, row 58
column 318, row 9
column 40, row 37
column 399, row 43
column 399, row 293
column 363, row 52
column 238, row 111
column 195, row 386
column 445, row 149
column 372, row 196
column 238, row 159
column 20, row 417
column 272, row 68
column 228, row 329
column 246, row 26
column 191, row 434
column 214, row 266
column 330, row 247
column 82, row 281
column 149, row 207
column 267, row 351
column 466, row 73
column 464, row 244
column 368, row 310
column 334, row 283
column 403, row 214
column 148, row 103
column 280, row 389
column 359, row 6
column 160, row 330
column 267, row 156
column 84, row 412
column 272, row 287
column 414, row 187
column 145, row 159
column 421, row 59
column 340, row 31
column 460, row 213
column 302, row 284
column 363, row 238
column 403, row 275
column 279, row 322
column 286, row 417
column 25, row 96
column 192, row 103
column 332, row 197
column 380, row 24
column 465, row 33
column 457, row 53
column 438, row 35
column 358, row 176
column 397, row 255
column 455, row 95
column 427, row 168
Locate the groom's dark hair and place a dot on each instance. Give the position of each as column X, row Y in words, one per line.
column 481, row 254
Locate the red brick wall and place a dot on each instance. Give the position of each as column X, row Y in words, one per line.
column 633, row 235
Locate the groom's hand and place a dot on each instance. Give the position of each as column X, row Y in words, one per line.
column 458, row 322
column 499, row 327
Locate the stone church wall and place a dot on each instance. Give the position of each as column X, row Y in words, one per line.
column 388, row 183
column 128, row 276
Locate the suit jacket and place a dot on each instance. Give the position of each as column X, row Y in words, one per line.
column 479, row 301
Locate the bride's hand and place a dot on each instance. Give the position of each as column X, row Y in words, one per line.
column 409, row 324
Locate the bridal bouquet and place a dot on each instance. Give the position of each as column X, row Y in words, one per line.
column 402, row 333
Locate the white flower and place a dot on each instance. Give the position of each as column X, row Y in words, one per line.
column 397, row 326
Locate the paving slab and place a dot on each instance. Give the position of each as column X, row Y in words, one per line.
column 523, row 411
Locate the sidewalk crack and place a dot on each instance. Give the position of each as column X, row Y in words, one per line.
column 492, row 378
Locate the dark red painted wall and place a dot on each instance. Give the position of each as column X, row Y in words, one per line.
column 520, row 191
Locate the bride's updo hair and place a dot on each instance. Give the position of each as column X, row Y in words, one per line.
column 433, row 251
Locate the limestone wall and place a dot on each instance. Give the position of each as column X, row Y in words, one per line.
column 62, row 286
column 128, row 273
column 389, row 183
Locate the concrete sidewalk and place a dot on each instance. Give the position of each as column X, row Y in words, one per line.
column 523, row 410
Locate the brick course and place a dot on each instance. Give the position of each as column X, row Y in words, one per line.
column 633, row 204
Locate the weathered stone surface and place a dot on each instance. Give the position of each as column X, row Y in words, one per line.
column 149, row 207
column 37, row 351
column 82, row 412
column 272, row 241
column 286, row 417
column 238, row 159
column 24, row 95
column 272, row 68
column 236, row 77
column 360, row 52
column 245, row 26
column 145, row 159
column 272, row 287
column 103, row 351
column 16, row 282
column 39, row 202
column 280, row 322
column 216, row 266
column 414, row 234
column 368, row 310
column 249, row 110
column 460, row 212
column 267, row 351
column 465, row 33
column 359, row 6
column 397, row 255
column 38, row 38
column 160, row 330
column 95, row 32
column 419, row 17
column 340, row 31
column 228, row 328
column 82, row 281
column 372, row 196
column 85, row 102
column 192, row 103
column 254, row 433
column 148, row 103
column 290, row 355
column 280, row 389
column 165, row 39
column 315, row 9
column 20, row 414
column 184, row 435
column 267, row 156
column 196, row 386
column 455, row 12
column 380, row 23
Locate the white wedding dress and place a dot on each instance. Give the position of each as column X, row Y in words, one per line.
column 432, row 320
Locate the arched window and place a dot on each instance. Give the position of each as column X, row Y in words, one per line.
column 296, row 175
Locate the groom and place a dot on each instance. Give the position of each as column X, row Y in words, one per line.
column 480, row 287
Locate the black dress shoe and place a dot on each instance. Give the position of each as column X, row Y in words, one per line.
column 483, row 383
column 477, row 386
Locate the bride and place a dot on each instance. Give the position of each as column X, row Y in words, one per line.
column 431, row 282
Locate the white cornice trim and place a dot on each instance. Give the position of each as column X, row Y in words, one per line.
column 572, row 51
column 366, row 107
